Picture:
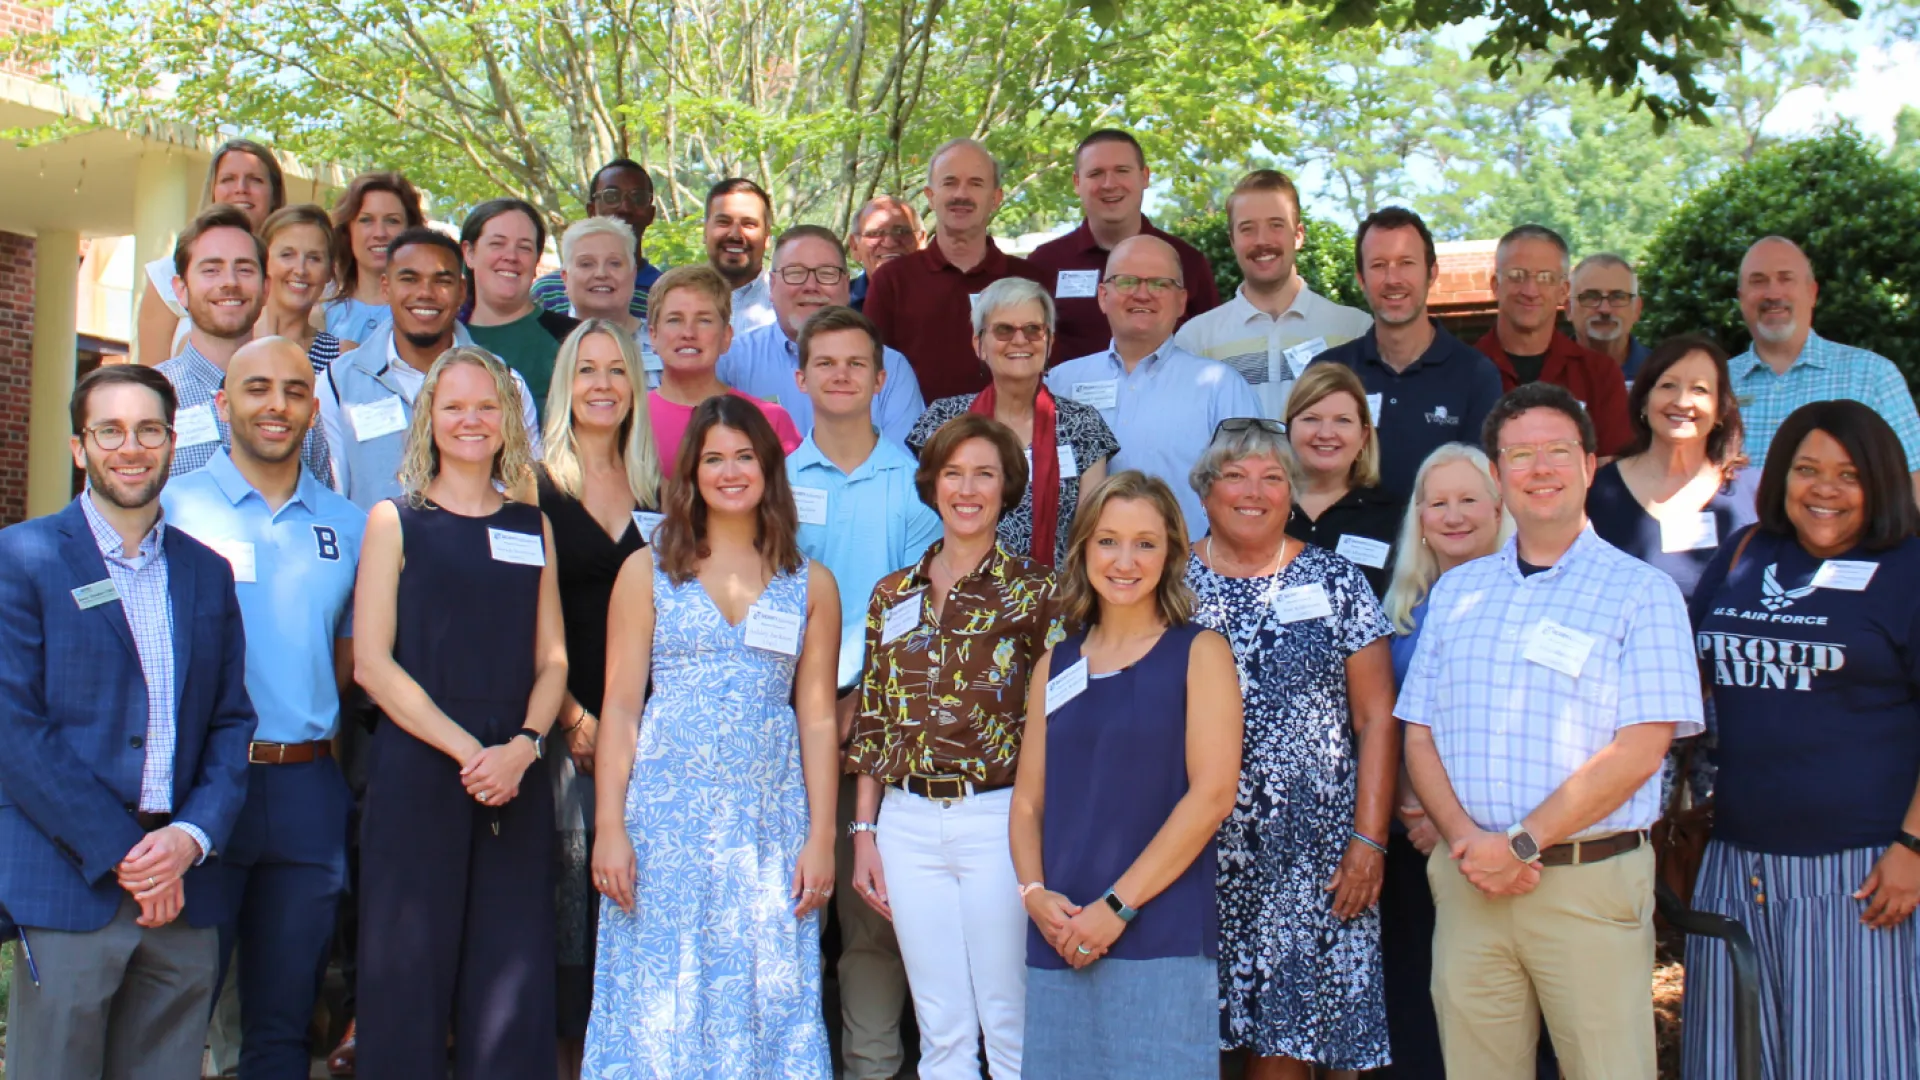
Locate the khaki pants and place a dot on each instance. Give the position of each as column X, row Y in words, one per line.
column 873, row 984
column 1578, row 949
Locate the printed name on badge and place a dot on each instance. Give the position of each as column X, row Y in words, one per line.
column 1689, row 532
column 811, row 503
column 1363, row 550
column 1074, row 284
column 195, row 427
column 1066, row 686
column 1846, row 575
column 1561, row 648
column 1104, row 394
column 773, row 630
column 524, row 549
column 1299, row 356
column 648, row 523
column 239, row 555
column 377, row 418
column 1302, row 602
column 901, row 618
column 88, row 597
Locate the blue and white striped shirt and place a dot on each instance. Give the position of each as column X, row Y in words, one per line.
column 1824, row 371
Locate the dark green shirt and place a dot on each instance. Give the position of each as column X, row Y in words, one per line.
column 528, row 345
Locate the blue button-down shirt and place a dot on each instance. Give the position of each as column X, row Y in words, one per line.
column 195, row 380
column 1510, row 730
column 763, row 362
column 1823, row 371
column 876, row 524
column 1164, row 411
column 304, row 556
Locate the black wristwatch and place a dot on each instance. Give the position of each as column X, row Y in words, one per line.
column 1909, row 841
column 1119, row 907
column 539, row 741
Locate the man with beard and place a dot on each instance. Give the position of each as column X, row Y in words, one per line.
column 739, row 220
column 220, row 275
column 1274, row 326
column 884, row 229
column 124, row 724
column 294, row 546
column 1788, row 365
column 366, row 398
column 1425, row 387
column 1607, row 304
column 923, row 302
column 622, row 190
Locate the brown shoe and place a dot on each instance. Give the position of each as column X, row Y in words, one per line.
column 340, row 1062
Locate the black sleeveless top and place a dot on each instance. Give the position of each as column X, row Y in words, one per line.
column 465, row 620
column 589, row 561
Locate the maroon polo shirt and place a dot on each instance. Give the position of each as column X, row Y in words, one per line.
column 923, row 306
column 1083, row 326
column 1591, row 377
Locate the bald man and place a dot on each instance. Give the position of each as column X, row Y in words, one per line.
column 294, row 546
column 1789, row 365
column 1161, row 401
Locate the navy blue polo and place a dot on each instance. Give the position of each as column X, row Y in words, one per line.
column 1442, row 397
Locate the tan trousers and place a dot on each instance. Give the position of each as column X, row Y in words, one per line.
column 1578, row 949
column 873, row 984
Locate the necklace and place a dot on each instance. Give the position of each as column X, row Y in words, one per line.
column 1272, row 568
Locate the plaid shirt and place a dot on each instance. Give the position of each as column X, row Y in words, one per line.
column 1824, row 371
column 195, row 380
column 1509, row 730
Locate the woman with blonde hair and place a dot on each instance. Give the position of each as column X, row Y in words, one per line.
column 458, row 640
column 689, row 322
column 1339, row 504
column 299, row 271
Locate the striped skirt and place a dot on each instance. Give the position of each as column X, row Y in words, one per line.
column 1837, row 1000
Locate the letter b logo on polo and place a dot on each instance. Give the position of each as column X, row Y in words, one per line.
column 327, row 542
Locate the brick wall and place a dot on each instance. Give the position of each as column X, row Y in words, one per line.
column 16, row 18
column 16, row 371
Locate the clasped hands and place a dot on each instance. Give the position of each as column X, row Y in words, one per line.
column 1079, row 934
column 1488, row 862
column 153, row 874
column 491, row 774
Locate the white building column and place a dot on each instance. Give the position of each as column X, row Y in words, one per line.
column 165, row 192
column 56, row 277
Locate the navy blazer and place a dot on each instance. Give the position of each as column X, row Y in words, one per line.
column 73, row 721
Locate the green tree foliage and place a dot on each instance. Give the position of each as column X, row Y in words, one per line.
column 1325, row 260
column 1854, row 214
column 1906, row 139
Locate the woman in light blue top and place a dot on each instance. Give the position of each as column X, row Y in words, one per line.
column 376, row 208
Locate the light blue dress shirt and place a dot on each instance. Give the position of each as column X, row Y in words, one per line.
column 1824, row 371
column 1510, row 727
column 875, row 524
column 1163, row 413
column 762, row 363
column 303, row 557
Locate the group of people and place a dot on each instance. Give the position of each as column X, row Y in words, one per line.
column 1134, row 677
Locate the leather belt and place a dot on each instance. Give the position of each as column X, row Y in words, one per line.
column 1582, row 852
column 298, row 753
column 944, row 789
column 152, row 821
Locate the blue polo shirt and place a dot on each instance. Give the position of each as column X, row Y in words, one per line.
column 764, row 361
column 1442, row 397
column 303, row 559
column 875, row 524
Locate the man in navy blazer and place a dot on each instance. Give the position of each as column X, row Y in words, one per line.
column 124, row 726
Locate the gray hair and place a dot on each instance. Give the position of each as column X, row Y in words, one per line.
column 1609, row 259
column 1229, row 446
column 1010, row 292
column 597, row 226
column 955, row 144
column 1531, row 232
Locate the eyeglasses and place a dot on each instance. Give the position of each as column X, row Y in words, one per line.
column 825, row 275
column 891, row 232
column 611, row 198
column 1240, row 425
column 152, row 436
column 1004, row 332
column 1155, row 285
column 1557, row 455
column 1593, row 298
column 1542, row 278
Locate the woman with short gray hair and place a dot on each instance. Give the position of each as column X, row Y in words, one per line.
column 1067, row 443
column 1302, row 854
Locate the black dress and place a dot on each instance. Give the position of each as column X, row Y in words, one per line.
column 1371, row 516
column 1620, row 520
column 456, row 900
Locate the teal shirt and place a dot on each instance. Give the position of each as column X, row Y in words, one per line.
column 1824, row 371
column 528, row 345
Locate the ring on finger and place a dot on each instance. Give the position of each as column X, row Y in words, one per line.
column 1083, row 950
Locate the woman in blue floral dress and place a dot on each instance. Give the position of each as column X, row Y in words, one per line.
column 714, row 848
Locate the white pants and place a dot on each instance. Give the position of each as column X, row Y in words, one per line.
column 962, row 929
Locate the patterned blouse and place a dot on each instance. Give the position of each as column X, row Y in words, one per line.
column 950, row 697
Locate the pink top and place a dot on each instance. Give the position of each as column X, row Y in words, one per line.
column 670, row 426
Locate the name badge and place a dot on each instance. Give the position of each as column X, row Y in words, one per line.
column 1689, row 532
column 1373, row 407
column 195, row 427
column 1561, row 648
column 774, row 631
column 1302, row 602
column 1104, row 394
column 1363, row 550
column 901, row 617
column 648, row 523
column 650, row 360
column 973, row 301
column 1299, row 356
column 1845, row 575
column 1066, row 686
column 239, row 555
column 524, row 549
column 88, row 597
column 1064, row 455
column 811, row 503
column 377, row 418
column 1074, row 284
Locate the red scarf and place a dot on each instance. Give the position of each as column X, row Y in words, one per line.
column 1045, row 479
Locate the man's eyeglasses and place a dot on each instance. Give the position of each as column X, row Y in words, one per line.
column 611, row 198
column 1240, row 425
column 1155, row 285
column 1542, row 278
column 825, row 275
column 891, row 232
column 112, row 436
column 1593, row 298
column 1004, row 332
column 1557, row 455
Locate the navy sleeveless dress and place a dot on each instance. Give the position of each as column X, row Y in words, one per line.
column 456, row 898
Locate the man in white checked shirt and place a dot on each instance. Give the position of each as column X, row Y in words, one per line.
column 1549, row 680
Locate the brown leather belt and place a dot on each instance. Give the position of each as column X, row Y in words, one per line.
column 946, row 789
column 1582, row 852
column 296, row 753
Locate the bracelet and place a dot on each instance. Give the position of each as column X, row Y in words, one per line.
column 1909, row 841
column 1369, row 841
column 1031, row 887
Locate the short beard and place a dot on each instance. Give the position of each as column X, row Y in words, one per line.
column 1776, row 335
column 1611, row 333
column 1412, row 318
column 270, row 455
column 424, row 341
column 104, row 485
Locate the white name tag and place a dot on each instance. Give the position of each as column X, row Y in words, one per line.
column 811, row 503
column 1066, row 686
column 1561, row 648
column 1299, row 356
column 1373, row 407
column 88, row 597
column 1302, row 602
column 650, row 360
column 1064, row 455
column 377, row 418
column 1073, row 284
column 1104, row 394
column 774, row 631
column 195, row 427
column 1363, row 550
column 1689, row 532
column 901, row 618
column 239, row 555
column 648, row 523
column 1844, row 574
column 525, row 549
